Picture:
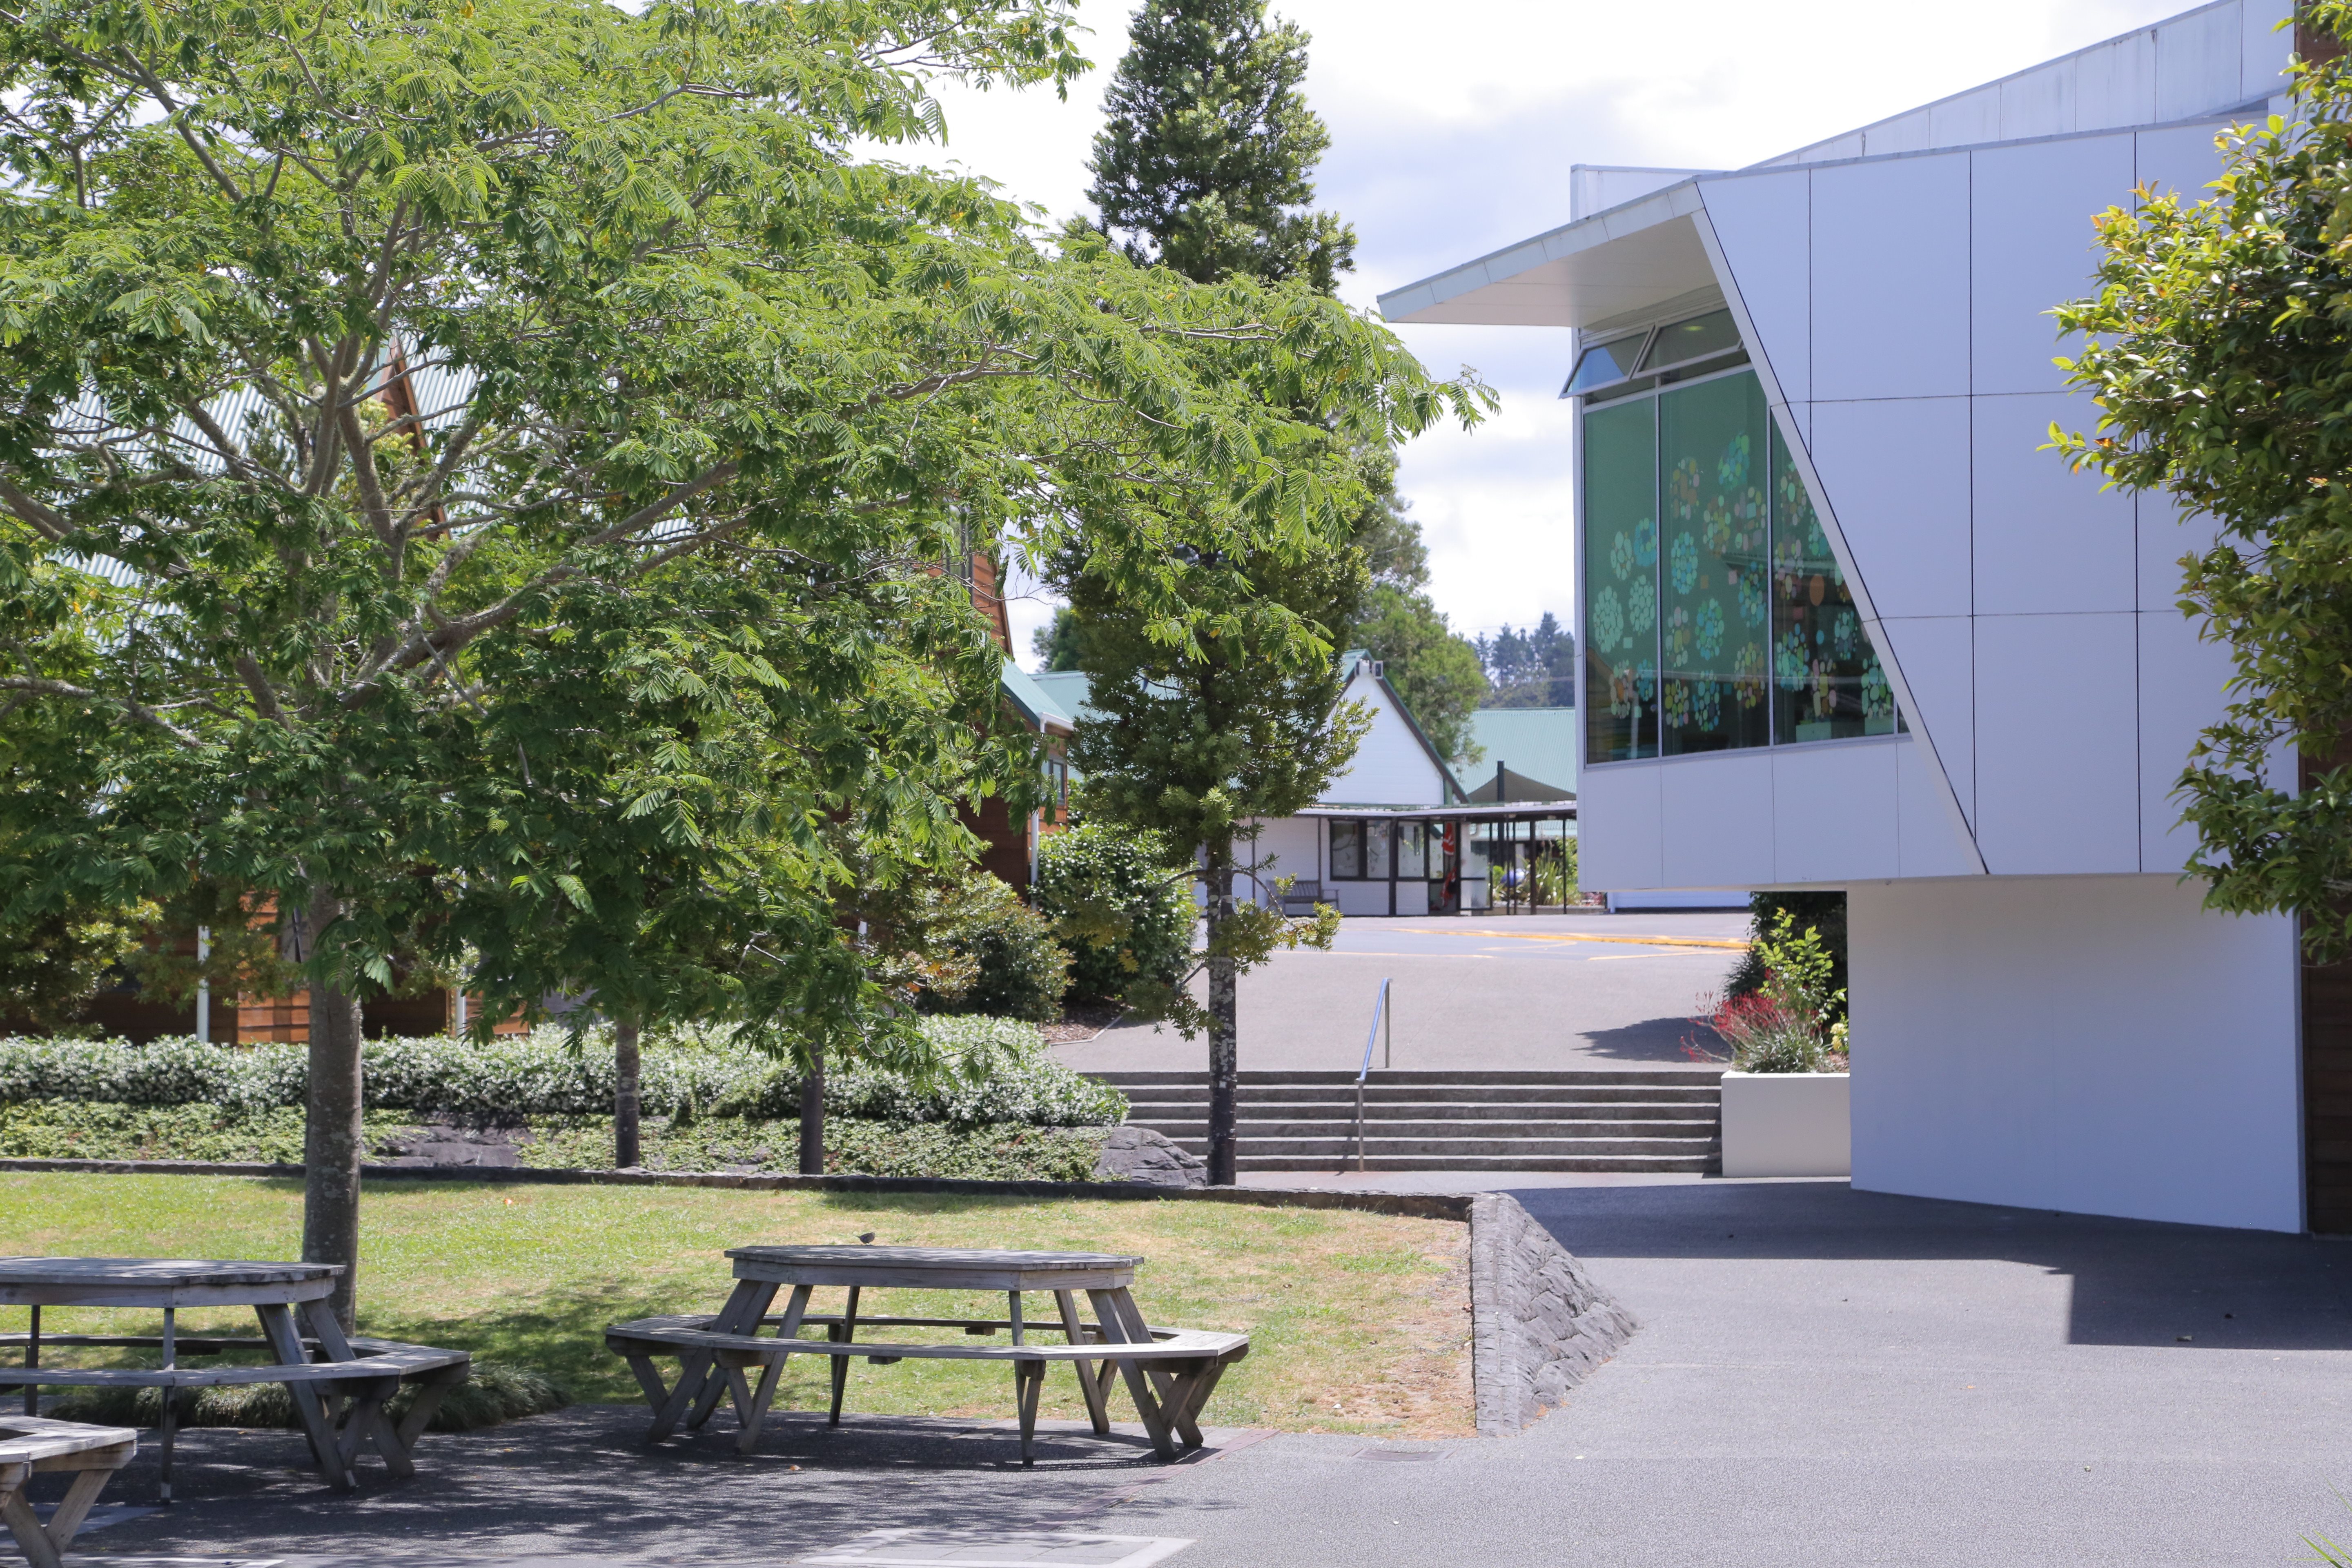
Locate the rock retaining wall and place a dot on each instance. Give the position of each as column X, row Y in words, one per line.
column 1539, row 1325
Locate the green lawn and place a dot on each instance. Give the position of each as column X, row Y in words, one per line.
column 1359, row 1322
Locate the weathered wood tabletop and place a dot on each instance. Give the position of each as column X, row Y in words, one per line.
column 339, row 1391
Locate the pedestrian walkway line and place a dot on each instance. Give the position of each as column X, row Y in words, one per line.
column 1581, row 936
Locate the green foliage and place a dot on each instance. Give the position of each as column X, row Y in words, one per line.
column 53, row 965
column 2220, row 349
column 1553, row 870
column 1204, row 160
column 619, row 664
column 1125, row 916
column 1016, row 968
column 1792, row 1023
column 492, row 1393
column 1056, row 643
column 1533, row 669
column 1436, row 672
column 995, row 1071
column 994, row 1152
column 1823, row 913
column 99, row 1130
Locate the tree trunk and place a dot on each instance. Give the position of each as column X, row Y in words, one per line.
column 1224, row 1054
column 627, row 1147
column 333, row 1142
column 812, row 1116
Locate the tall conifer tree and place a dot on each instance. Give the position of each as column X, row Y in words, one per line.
column 1205, row 162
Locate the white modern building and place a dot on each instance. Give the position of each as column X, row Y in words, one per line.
column 1845, row 625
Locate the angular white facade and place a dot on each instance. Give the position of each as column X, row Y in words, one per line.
column 2043, row 1015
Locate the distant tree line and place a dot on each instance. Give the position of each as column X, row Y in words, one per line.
column 1533, row 669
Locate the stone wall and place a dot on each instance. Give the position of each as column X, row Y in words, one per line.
column 1539, row 1325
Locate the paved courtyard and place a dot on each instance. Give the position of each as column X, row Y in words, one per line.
column 1822, row 1378
column 1546, row 990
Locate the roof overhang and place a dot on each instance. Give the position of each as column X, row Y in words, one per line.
column 1630, row 259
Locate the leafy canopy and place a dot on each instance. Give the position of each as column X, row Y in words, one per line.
column 2220, row 349
column 487, row 468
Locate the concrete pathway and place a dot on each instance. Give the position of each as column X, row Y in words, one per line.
column 1550, row 990
column 1823, row 1379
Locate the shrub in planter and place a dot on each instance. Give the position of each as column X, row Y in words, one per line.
column 1794, row 1021
column 1125, row 916
column 1820, row 912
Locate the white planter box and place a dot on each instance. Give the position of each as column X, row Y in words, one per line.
column 1786, row 1125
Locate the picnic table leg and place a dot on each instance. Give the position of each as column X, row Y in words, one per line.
column 1028, row 1380
column 163, row 1460
column 430, row 1390
column 23, row 1523
column 1114, row 1327
column 694, row 1366
column 748, row 1314
column 752, row 1413
column 65, row 1524
column 1132, row 1316
column 365, row 1425
column 846, row 1333
column 32, row 1360
column 277, row 1327
column 1098, row 1412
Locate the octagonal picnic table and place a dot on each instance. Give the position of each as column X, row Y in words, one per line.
column 1169, row 1372
column 339, row 1382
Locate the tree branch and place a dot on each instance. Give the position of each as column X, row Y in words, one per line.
column 138, row 710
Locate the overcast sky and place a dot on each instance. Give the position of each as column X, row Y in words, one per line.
column 1452, row 127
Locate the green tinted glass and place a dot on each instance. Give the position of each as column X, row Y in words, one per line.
column 1711, row 441
column 1619, row 580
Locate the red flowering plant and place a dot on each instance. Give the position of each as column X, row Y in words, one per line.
column 1789, row 1025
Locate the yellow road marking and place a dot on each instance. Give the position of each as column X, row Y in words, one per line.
column 1582, row 936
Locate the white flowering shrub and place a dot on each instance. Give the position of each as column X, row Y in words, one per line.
column 998, row 1071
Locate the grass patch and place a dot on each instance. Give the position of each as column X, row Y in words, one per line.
column 1359, row 1322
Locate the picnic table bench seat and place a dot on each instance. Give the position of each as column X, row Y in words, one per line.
column 32, row 1445
column 372, row 1359
column 1171, row 1373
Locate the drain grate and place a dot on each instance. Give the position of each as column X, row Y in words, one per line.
column 1395, row 1455
column 997, row 1549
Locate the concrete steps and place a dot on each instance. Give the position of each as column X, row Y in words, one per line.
column 1666, row 1119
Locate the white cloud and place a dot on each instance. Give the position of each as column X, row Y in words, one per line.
column 1453, row 130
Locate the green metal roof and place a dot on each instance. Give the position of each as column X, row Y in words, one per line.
column 1534, row 743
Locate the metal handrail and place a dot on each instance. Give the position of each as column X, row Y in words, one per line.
column 1381, row 1015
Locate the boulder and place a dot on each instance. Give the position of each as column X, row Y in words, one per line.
column 1139, row 1154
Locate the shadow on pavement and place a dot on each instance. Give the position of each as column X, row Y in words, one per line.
column 583, row 1482
column 2135, row 1282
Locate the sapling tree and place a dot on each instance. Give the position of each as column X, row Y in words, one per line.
column 2219, row 350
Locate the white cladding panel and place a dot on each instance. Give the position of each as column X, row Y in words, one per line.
column 1930, row 839
column 1391, row 767
column 1938, row 657
column 2057, row 743
column 1619, row 831
column 2033, row 246
column 2046, row 539
column 2057, row 1043
column 2181, row 678
column 1891, row 278
column 2180, row 160
column 1716, row 820
column 1763, row 223
column 1895, row 477
column 2197, row 62
column 1835, row 811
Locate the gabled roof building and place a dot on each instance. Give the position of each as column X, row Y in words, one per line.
column 1843, row 623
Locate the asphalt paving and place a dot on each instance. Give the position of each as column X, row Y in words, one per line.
column 1541, row 991
column 1822, row 1378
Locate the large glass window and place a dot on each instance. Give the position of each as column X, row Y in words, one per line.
column 1411, row 856
column 1827, row 683
column 1347, row 851
column 1621, row 581
column 1711, row 439
column 1715, row 615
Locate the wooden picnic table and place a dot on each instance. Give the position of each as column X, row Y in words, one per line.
column 31, row 1447
column 339, row 1382
column 1169, row 1372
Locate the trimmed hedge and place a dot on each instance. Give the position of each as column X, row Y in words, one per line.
column 541, row 1074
